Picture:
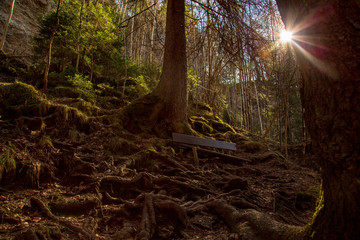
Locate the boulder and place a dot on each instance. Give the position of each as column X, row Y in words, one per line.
column 23, row 26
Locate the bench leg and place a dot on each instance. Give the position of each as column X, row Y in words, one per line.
column 196, row 158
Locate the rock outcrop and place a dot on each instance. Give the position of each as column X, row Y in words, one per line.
column 23, row 26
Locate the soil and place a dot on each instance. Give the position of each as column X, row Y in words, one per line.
column 107, row 183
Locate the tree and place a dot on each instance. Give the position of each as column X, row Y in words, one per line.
column 3, row 38
column 172, row 87
column 79, row 36
column 326, row 47
column 47, row 67
column 167, row 104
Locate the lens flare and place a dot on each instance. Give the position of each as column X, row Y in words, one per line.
column 285, row 36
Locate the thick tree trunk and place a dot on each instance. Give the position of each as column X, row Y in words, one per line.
column 172, row 88
column 328, row 51
column 165, row 109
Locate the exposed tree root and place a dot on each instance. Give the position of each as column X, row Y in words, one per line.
column 148, row 221
column 251, row 224
column 146, row 190
column 37, row 203
column 74, row 207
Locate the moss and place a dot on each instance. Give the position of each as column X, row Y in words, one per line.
column 142, row 114
column 201, row 106
column 110, row 102
column 62, row 91
column 72, row 115
column 319, row 204
column 19, row 93
column 7, row 163
column 314, row 191
column 221, row 126
column 18, row 99
column 252, row 146
column 237, row 137
column 32, row 174
column 200, row 124
column 46, row 142
column 307, row 232
column 12, row 65
column 151, row 149
column 117, row 145
column 86, row 107
column 61, row 115
column 280, row 155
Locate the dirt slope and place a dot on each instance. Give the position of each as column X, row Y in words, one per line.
column 91, row 179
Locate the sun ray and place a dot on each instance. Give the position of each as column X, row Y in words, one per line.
column 286, row 36
column 319, row 64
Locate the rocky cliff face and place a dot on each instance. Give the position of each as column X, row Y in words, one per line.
column 23, row 26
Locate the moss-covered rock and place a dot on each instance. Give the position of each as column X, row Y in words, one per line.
column 201, row 125
column 18, row 99
column 221, row 126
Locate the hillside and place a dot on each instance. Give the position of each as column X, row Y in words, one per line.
column 66, row 174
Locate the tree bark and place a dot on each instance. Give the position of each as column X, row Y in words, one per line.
column 172, row 88
column 326, row 46
column 79, row 36
column 3, row 38
column 47, row 67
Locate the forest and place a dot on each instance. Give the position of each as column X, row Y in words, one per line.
column 180, row 119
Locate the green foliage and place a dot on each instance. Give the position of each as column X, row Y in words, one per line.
column 100, row 50
column 64, row 43
column 138, row 86
column 80, row 81
column 75, row 86
column 99, row 46
column 227, row 116
column 11, row 65
column 193, row 84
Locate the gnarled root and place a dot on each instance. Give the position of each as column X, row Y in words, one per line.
column 148, row 221
column 253, row 225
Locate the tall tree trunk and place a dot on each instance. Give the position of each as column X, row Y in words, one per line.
column 131, row 54
column 258, row 108
column 47, row 67
column 79, row 36
column 3, row 38
column 328, row 32
column 172, row 88
column 125, row 65
column 152, row 33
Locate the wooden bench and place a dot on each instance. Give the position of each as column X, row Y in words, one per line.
column 195, row 143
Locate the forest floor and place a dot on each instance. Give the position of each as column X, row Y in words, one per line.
column 103, row 182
